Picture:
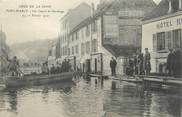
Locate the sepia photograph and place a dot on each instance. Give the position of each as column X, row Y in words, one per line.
column 90, row 58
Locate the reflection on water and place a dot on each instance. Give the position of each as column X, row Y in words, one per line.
column 89, row 98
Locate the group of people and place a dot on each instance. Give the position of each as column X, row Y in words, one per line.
column 139, row 64
column 14, row 67
column 64, row 67
column 174, row 62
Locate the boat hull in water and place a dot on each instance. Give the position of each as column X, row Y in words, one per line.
column 15, row 81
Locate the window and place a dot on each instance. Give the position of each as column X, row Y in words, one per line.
column 76, row 35
column 87, row 30
column 94, row 45
column 94, row 26
column 169, row 39
column 160, row 41
column 77, row 52
column 63, row 51
column 177, row 38
column 87, row 45
column 68, row 51
column 82, row 49
column 72, row 50
column 82, row 33
column 72, row 37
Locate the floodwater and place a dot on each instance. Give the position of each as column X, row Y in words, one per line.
column 89, row 98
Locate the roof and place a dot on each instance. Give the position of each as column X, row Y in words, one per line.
column 71, row 11
column 162, row 10
column 117, row 6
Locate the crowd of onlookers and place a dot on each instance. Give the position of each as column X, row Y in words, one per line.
column 138, row 64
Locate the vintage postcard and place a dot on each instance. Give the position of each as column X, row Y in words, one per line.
column 90, row 58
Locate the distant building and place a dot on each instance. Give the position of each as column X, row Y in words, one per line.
column 113, row 29
column 4, row 51
column 162, row 30
column 68, row 22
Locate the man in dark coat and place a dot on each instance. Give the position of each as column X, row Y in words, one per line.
column 177, row 62
column 140, row 62
column 170, row 63
column 14, row 66
column 147, row 64
column 113, row 65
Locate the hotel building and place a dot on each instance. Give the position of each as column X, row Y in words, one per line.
column 162, row 30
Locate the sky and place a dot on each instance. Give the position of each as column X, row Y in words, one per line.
column 20, row 28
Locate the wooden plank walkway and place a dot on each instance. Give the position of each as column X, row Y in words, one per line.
column 154, row 80
column 166, row 80
column 163, row 80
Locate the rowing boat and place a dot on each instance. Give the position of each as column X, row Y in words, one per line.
column 17, row 81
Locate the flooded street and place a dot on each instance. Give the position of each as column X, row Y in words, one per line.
column 88, row 98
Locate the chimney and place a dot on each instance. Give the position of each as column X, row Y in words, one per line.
column 180, row 4
column 170, row 6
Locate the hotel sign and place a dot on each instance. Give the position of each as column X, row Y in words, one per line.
column 169, row 23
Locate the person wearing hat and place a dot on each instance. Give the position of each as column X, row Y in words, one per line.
column 13, row 66
column 113, row 65
column 170, row 62
column 177, row 62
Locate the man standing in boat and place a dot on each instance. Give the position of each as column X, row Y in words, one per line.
column 14, row 66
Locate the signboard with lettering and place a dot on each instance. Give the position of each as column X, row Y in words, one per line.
column 173, row 22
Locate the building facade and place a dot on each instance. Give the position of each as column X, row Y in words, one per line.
column 68, row 22
column 112, row 30
column 162, row 31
